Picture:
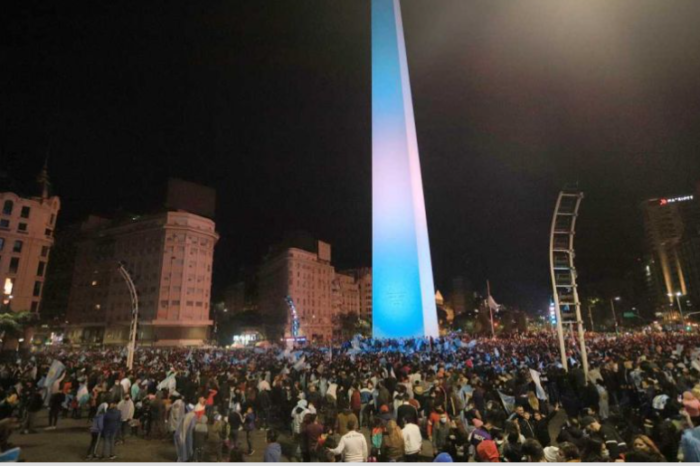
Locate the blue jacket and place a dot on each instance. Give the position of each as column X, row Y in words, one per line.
column 112, row 422
column 98, row 424
column 273, row 453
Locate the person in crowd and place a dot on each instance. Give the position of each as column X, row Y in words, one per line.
column 112, row 424
column 569, row 453
column 273, row 450
column 413, row 440
column 394, row 446
column 249, row 428
column 533, row 452
column 126, row 408
column 96, row 431
column 607, row 434
column 352, row 445
column 642, row 443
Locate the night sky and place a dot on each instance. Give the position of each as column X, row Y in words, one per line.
column 270, row 103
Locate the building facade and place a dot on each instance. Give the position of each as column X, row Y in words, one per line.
column 169, row 256
column 26, row 237
column 667, row 222
column 362, row 278
column 305, row 276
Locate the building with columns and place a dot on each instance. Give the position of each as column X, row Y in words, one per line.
column 169, row 256
column 26, row 236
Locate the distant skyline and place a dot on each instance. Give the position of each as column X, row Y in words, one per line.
column 269, row 103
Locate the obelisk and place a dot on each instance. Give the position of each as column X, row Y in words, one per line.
column 403, row 294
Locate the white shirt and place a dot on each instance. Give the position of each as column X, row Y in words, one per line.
column 353, row 447
column 412, row 439
column 264, row 385
column 126, row 384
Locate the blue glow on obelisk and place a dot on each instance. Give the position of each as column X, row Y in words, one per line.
column 403, row 294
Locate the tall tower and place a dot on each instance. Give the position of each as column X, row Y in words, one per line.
column 403, row 298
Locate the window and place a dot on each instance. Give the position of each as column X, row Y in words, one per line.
column 35, row 307
column 14, row 264
column 4, row 223
column 25, row 212
column 48, row 232
column 22, row 227
column 17, row 247
column 44, row 251
column 37, row 289
column 2, row 243
column 40, row 270
column 53, row 219
column 7, row 207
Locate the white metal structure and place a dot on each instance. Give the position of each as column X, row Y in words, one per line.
column 561, row 260
column 134, row 315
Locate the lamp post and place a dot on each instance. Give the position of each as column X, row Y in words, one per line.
column 612, row 306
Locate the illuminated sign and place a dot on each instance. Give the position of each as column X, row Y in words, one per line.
column 245, row 338
column 675, row 199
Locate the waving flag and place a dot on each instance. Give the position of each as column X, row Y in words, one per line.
column 508, row 402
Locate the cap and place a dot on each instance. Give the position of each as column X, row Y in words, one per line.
column 551, row 454
column 443, row 458
column 587, row 421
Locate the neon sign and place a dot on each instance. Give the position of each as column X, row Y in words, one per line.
column 675, row 199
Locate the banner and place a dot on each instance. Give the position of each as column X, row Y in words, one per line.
column 541, row 394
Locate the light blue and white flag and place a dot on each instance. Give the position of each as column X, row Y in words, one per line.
column 508, row 402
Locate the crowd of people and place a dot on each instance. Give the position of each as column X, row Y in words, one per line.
column 446, row 399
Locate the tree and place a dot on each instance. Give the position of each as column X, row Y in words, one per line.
column 348, row 325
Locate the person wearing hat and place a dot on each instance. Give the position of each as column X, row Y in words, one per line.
column 443, row 458
column 551, row 454
column 607, row 434
column 384, row 414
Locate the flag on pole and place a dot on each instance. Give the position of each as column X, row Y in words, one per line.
column 55, row 371
column 541, row 394
column 493, row 304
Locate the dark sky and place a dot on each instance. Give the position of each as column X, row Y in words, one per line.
column 270, row 103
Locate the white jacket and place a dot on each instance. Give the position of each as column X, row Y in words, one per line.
column 412, row 439
column 353, row 447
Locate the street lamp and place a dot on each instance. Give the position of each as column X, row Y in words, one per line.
column 612, row 306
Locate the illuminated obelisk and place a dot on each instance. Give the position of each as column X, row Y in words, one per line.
column 403, row 294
